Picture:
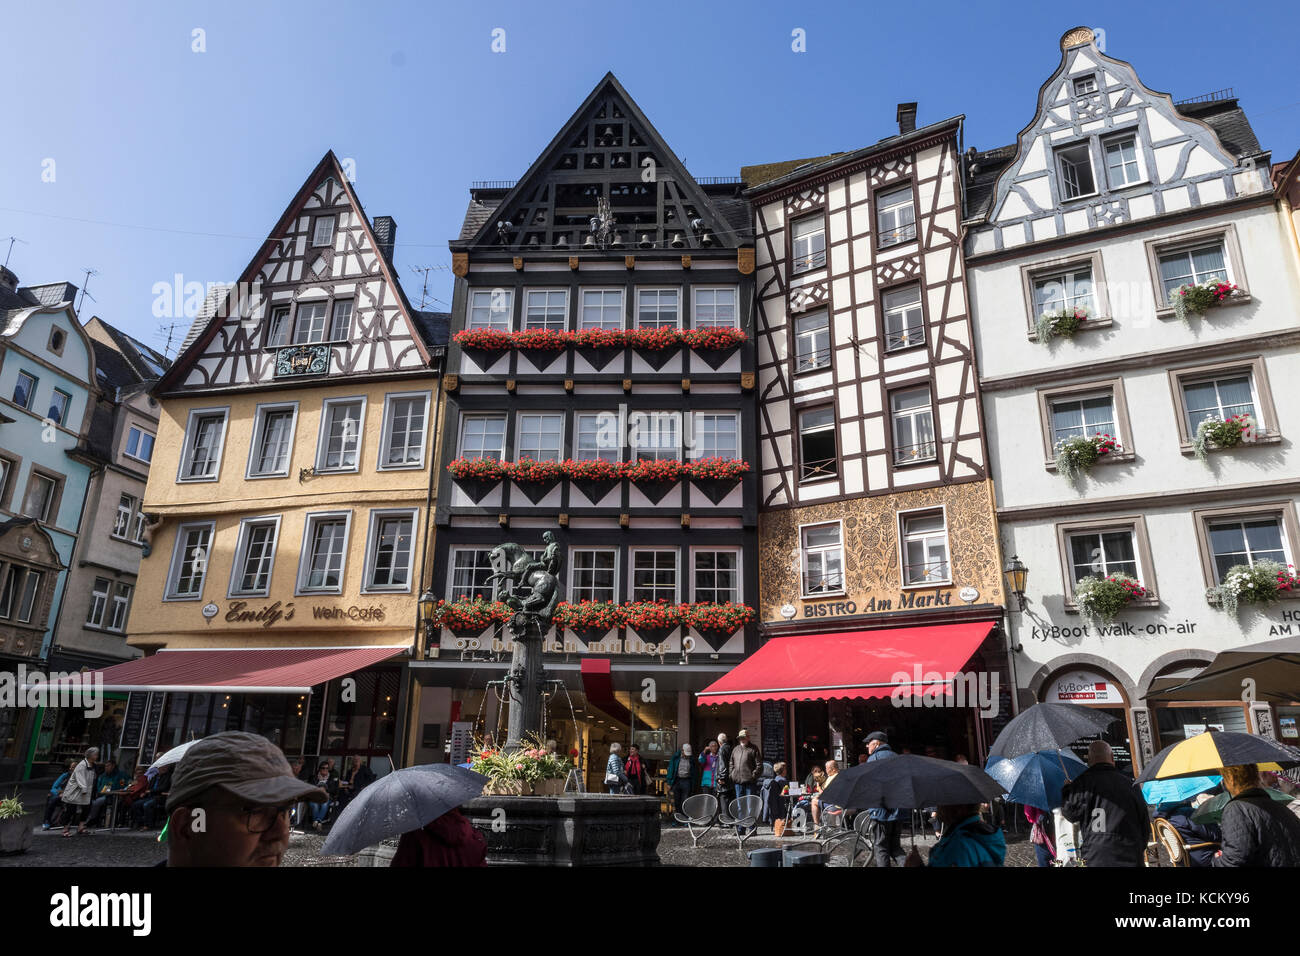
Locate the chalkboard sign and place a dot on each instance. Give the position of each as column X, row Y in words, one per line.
column 315, row 713
column 133, row 724
column 773, row 717
column 153, row 718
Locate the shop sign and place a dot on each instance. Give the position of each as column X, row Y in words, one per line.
column 1084, row 687
column 353, row 613
column 241, row 613
column 907, row 600
column 1119, row 629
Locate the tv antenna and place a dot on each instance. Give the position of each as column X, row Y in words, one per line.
column 424, row 271
column 84, row 293
column 167, row 331
column 12, row 240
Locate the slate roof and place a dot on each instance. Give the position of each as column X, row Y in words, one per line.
column 480, row 210
column 434, row 327
column 144, row 361
column 765, row 172
column 209, row 308
column 112, row 369
column 1228, row 121
column 52, row 293
column 982, row 170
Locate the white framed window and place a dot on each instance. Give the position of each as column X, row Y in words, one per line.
column 38, row 501
column 24, row 390
column 1219, row 397
column 924, row 537
column 1083, row 85
column 139, row 444
column 272, row 444
column 823, row 558
column 654, row 436
column 121, row 602
column 895, row 216
column 59, row 403
column 483, row 436
column 1193, row 265
column 601, row 309
column 658, row 309
column 540, row 436
column 470, row 569
column 98, row 602
column 490, row 309
column 324, row 552
column 277, row 327
column 904, row 317
column 818, row 455
column 715, row 575
column 250, row 575
column 137, row 531
column 31, row 589
column 812, row 341
column 338, row 446
column 389, row 549
column 716, row 308
column 593, row 574
column 715, row 435
column 808, row 248
column 654, row 574
column 547, row 309
column 122, row 520
column 1074, row 163
column 1082, row 416
column 1058, row 291
column 1246, row 541
column 597, row 437
column 913, row 421
column 1122, row 165
column 310, row 327
column 341, row 321
column 322, row 233
column 189, row 566
column 402, row 445
column 1101, row 553
column 205, row 434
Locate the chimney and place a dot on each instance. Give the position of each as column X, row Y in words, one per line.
column 386, row 232
column 7, row 279
column 906, row 118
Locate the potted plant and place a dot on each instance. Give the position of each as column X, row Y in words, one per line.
column 590, row 620
column 15, row 829
column 715, row 477
column 594, row 477
column 1257, row 583
column 716, row 623
column 528, row 769
column 1074, row 456
column 1215, row 432
column 469, row 617
column 600, row 346
column 655, row 477
column 477, row 476
column 542, row 346
column 655, row 345
column 653, row 621
column 1196, row 299
column 536, row 478
column 1101, row 599
column 714, row 344
column 1060, row 323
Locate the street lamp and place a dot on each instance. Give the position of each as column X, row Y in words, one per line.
column 1016, row 573
column 427, row 603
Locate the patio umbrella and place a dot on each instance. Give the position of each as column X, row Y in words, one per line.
column 170, row 757
column 1272, row 667
column 1178, row 789
column 910, row 782
column 1211, row 811
column 400, row 802
column 1035, row 779
column 1205, row 753
column 1048, row 727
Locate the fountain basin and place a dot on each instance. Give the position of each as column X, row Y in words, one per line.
column 579, row 829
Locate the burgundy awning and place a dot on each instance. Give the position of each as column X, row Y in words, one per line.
column 598, row 685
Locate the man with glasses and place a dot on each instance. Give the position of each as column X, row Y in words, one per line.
column 230, row 801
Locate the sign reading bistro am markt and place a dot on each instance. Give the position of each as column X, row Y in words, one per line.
column 240, row 612
column 907, row 600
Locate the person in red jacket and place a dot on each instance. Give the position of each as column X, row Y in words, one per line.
column 450, row 840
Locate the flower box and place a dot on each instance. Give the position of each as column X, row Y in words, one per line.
column 600, row 346
column 589, row 616
column 714, row 345
column 477, row 476
column 484, row 340
column 655, row 479
column 1215, row 433
column 1197, row 299
column 1061, row 323
column 1100, row 600
column 595, row 478
column 716, row 623
column 655, row 346
column 1259, row 583
column 469, row 617
column 1074, row 456
column 536, row 478
column 715, row 477
column 530, row 769
column 653, row 621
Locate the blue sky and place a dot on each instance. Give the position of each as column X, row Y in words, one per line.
column 169, row 161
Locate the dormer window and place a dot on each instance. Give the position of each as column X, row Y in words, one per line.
column 323, row 233
column 1083, row 85
column 1075, row 165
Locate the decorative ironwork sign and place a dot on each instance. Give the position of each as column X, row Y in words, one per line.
column 302, row 360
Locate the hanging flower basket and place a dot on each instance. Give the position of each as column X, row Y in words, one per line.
column 600, row 346
column 715, row 477
column 536, row 478
column 1101, row 599
column 1215, row 432
column 1062, row 323
column 1258, row 583
column 653, row 621
column 655, row 479
column 1197, row 299
column 595, row 477
column 477, row 476
column 484, row 340
column 655, row 346
column 714, row 345
column 1074, row 456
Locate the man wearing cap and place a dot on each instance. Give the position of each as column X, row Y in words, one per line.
column 885, row 822
column 229, row 804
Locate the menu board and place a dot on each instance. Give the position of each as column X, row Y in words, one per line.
column 462, row 738
column 133, row 724
column 773, row 722
column 153, row 717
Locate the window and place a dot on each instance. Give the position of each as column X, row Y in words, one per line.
column 98, row 602
column 895, row 216
column 1102, row 553
column 1083, row 85
column 541, row 437
column 311, row 323
column 59, row 402
column 913, row 425
column 601, row 309
column 325, row 542
column 598, row 437
column 190, row 561
column 272, row 440
column 390, row 550
column 31, row 588
column 818, row 458
column 1122, row 162
column 490, row 309
column 339, row 445
column 654, row 575
column 1192, row 266
column 716, row 309
column 483, row 436
column 1083, row 417
column 812, row 341
column 40, row 497
column 13, row 582
column 1075, row 165
column 403, row 444
column 470, row 570
column 654, row 436
column 6, row 468
column 254, row 556
column 1246, row 541
column 137, row 533
column 1217, row 398
column 24, row 390
column 823, row 558
column 658, row 308
column 547, row 309
column 139, row 444
column 1059, row 291
column 341, row 323
column 717, row 577
column 904, row 319
column 277, row 327
column 593, row 576
column 715, row 435
column 809, row 243
column 117, row 617
column 122, row 521
column 203, row 440
column 58, row 338
column 925, row 548
column 323, row 233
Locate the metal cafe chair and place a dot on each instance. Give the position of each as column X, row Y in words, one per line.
column 744, row 814
column 700, row 810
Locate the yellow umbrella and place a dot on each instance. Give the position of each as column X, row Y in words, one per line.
column 1209, row 752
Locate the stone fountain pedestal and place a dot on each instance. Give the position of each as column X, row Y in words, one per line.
column 580, row 829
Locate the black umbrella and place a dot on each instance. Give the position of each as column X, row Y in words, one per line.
column 1048, row 727
column 910, row 782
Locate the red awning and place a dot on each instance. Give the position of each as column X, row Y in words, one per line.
column 598, row 685
column 277, row 670
column 851, row 664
